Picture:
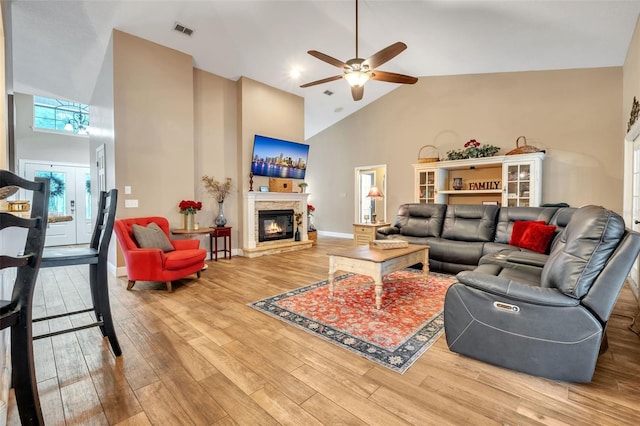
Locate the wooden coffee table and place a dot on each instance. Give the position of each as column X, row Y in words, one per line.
column 376, row 263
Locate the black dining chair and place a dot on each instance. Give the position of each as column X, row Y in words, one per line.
column 16, row 313
column 96, row 257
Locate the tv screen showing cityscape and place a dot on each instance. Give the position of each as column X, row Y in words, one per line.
column 279, row 158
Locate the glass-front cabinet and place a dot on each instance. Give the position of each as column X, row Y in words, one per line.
column 507, row 180
column 426, row 185
column 522, row 177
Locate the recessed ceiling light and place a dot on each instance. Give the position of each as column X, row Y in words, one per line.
column 328, row 92
column 295, row 73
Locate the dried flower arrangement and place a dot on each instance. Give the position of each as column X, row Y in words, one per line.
column 219, row 190
column 298, row 219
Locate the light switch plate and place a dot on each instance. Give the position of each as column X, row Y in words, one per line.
column 127, row 190
column 130, row 203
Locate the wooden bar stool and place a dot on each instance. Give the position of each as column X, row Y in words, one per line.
column 96, row 257
column 16, row 313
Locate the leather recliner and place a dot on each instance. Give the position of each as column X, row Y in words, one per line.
column 545, row 315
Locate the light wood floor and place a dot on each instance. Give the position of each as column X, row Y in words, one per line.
column 200, row 356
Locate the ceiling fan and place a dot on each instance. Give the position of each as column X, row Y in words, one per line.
column 358, row 71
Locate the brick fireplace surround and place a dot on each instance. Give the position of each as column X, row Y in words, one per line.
column 255, row 201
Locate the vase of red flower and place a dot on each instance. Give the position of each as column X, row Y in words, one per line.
column 310, row 210
column 189, row 208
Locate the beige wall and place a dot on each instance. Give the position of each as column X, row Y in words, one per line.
column 215, row 130
column 153, row 122
column 573, row 114
column 630, row 89
column 266, row 111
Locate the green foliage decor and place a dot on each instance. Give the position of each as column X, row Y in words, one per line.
column 473, row 149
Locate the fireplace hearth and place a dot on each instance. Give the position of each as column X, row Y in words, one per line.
column 275, row 225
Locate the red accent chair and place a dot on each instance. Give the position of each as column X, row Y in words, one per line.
column 151, row 264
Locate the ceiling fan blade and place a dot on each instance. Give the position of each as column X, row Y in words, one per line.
column 324, row 80
column 328, row 59
column 357, row 92
column 392, row 77
column 385, row 55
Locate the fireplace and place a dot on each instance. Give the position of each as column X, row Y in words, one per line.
column 258, row 203
column 275, row 225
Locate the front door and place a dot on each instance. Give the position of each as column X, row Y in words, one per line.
column 69, row 202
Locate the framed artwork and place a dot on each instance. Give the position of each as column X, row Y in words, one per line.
column 264, row 189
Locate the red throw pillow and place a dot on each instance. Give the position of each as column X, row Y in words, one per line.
column 537, row 237
column 518, row 230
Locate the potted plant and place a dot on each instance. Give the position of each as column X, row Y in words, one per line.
column 473, row 149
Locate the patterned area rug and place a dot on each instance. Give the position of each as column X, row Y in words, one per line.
column 408, row 323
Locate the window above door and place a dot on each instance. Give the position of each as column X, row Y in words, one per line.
column 59, row 115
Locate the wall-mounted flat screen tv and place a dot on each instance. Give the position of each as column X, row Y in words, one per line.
column 279, row 158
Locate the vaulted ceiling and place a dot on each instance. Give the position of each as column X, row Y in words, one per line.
column 57, row 46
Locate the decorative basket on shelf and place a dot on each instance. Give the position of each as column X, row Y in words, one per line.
column 430, row 158
column 524, row 149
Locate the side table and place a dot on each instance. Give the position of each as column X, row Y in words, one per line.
column 200, row 231
column 363, row 233
column 223, row 232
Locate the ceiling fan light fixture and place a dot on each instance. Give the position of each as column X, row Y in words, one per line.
column 357, row 70
column 357, row 78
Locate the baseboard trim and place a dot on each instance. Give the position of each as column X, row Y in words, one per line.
column 335, row 234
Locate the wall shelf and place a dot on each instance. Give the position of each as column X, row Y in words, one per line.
column 511, row 180
column 471, row 191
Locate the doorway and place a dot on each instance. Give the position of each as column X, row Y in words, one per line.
column 69, row 201
column 631, row 200
column 366, row 208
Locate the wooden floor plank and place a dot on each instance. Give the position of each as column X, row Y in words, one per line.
column 418, row 404
column 271, row 373
column 81, row 404
column 242, row 409
column 281, row 408
column 118, row 399
column 140, row 419
column 188, row 392
column 363, row 408
column 160, row 406
column 330, row 413
column 193, row 362
column 246, row 379
column 357, row 383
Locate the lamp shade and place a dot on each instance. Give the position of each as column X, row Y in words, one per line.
column 357, row 78
column 374, row 192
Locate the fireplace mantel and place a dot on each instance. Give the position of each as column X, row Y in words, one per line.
column 253, row 201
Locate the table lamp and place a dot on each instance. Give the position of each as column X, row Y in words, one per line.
column 375, row 194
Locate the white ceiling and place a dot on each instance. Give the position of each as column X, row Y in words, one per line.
column 58, row 45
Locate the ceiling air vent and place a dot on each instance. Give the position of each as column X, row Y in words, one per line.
column 182, row 29
column 328, row 92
